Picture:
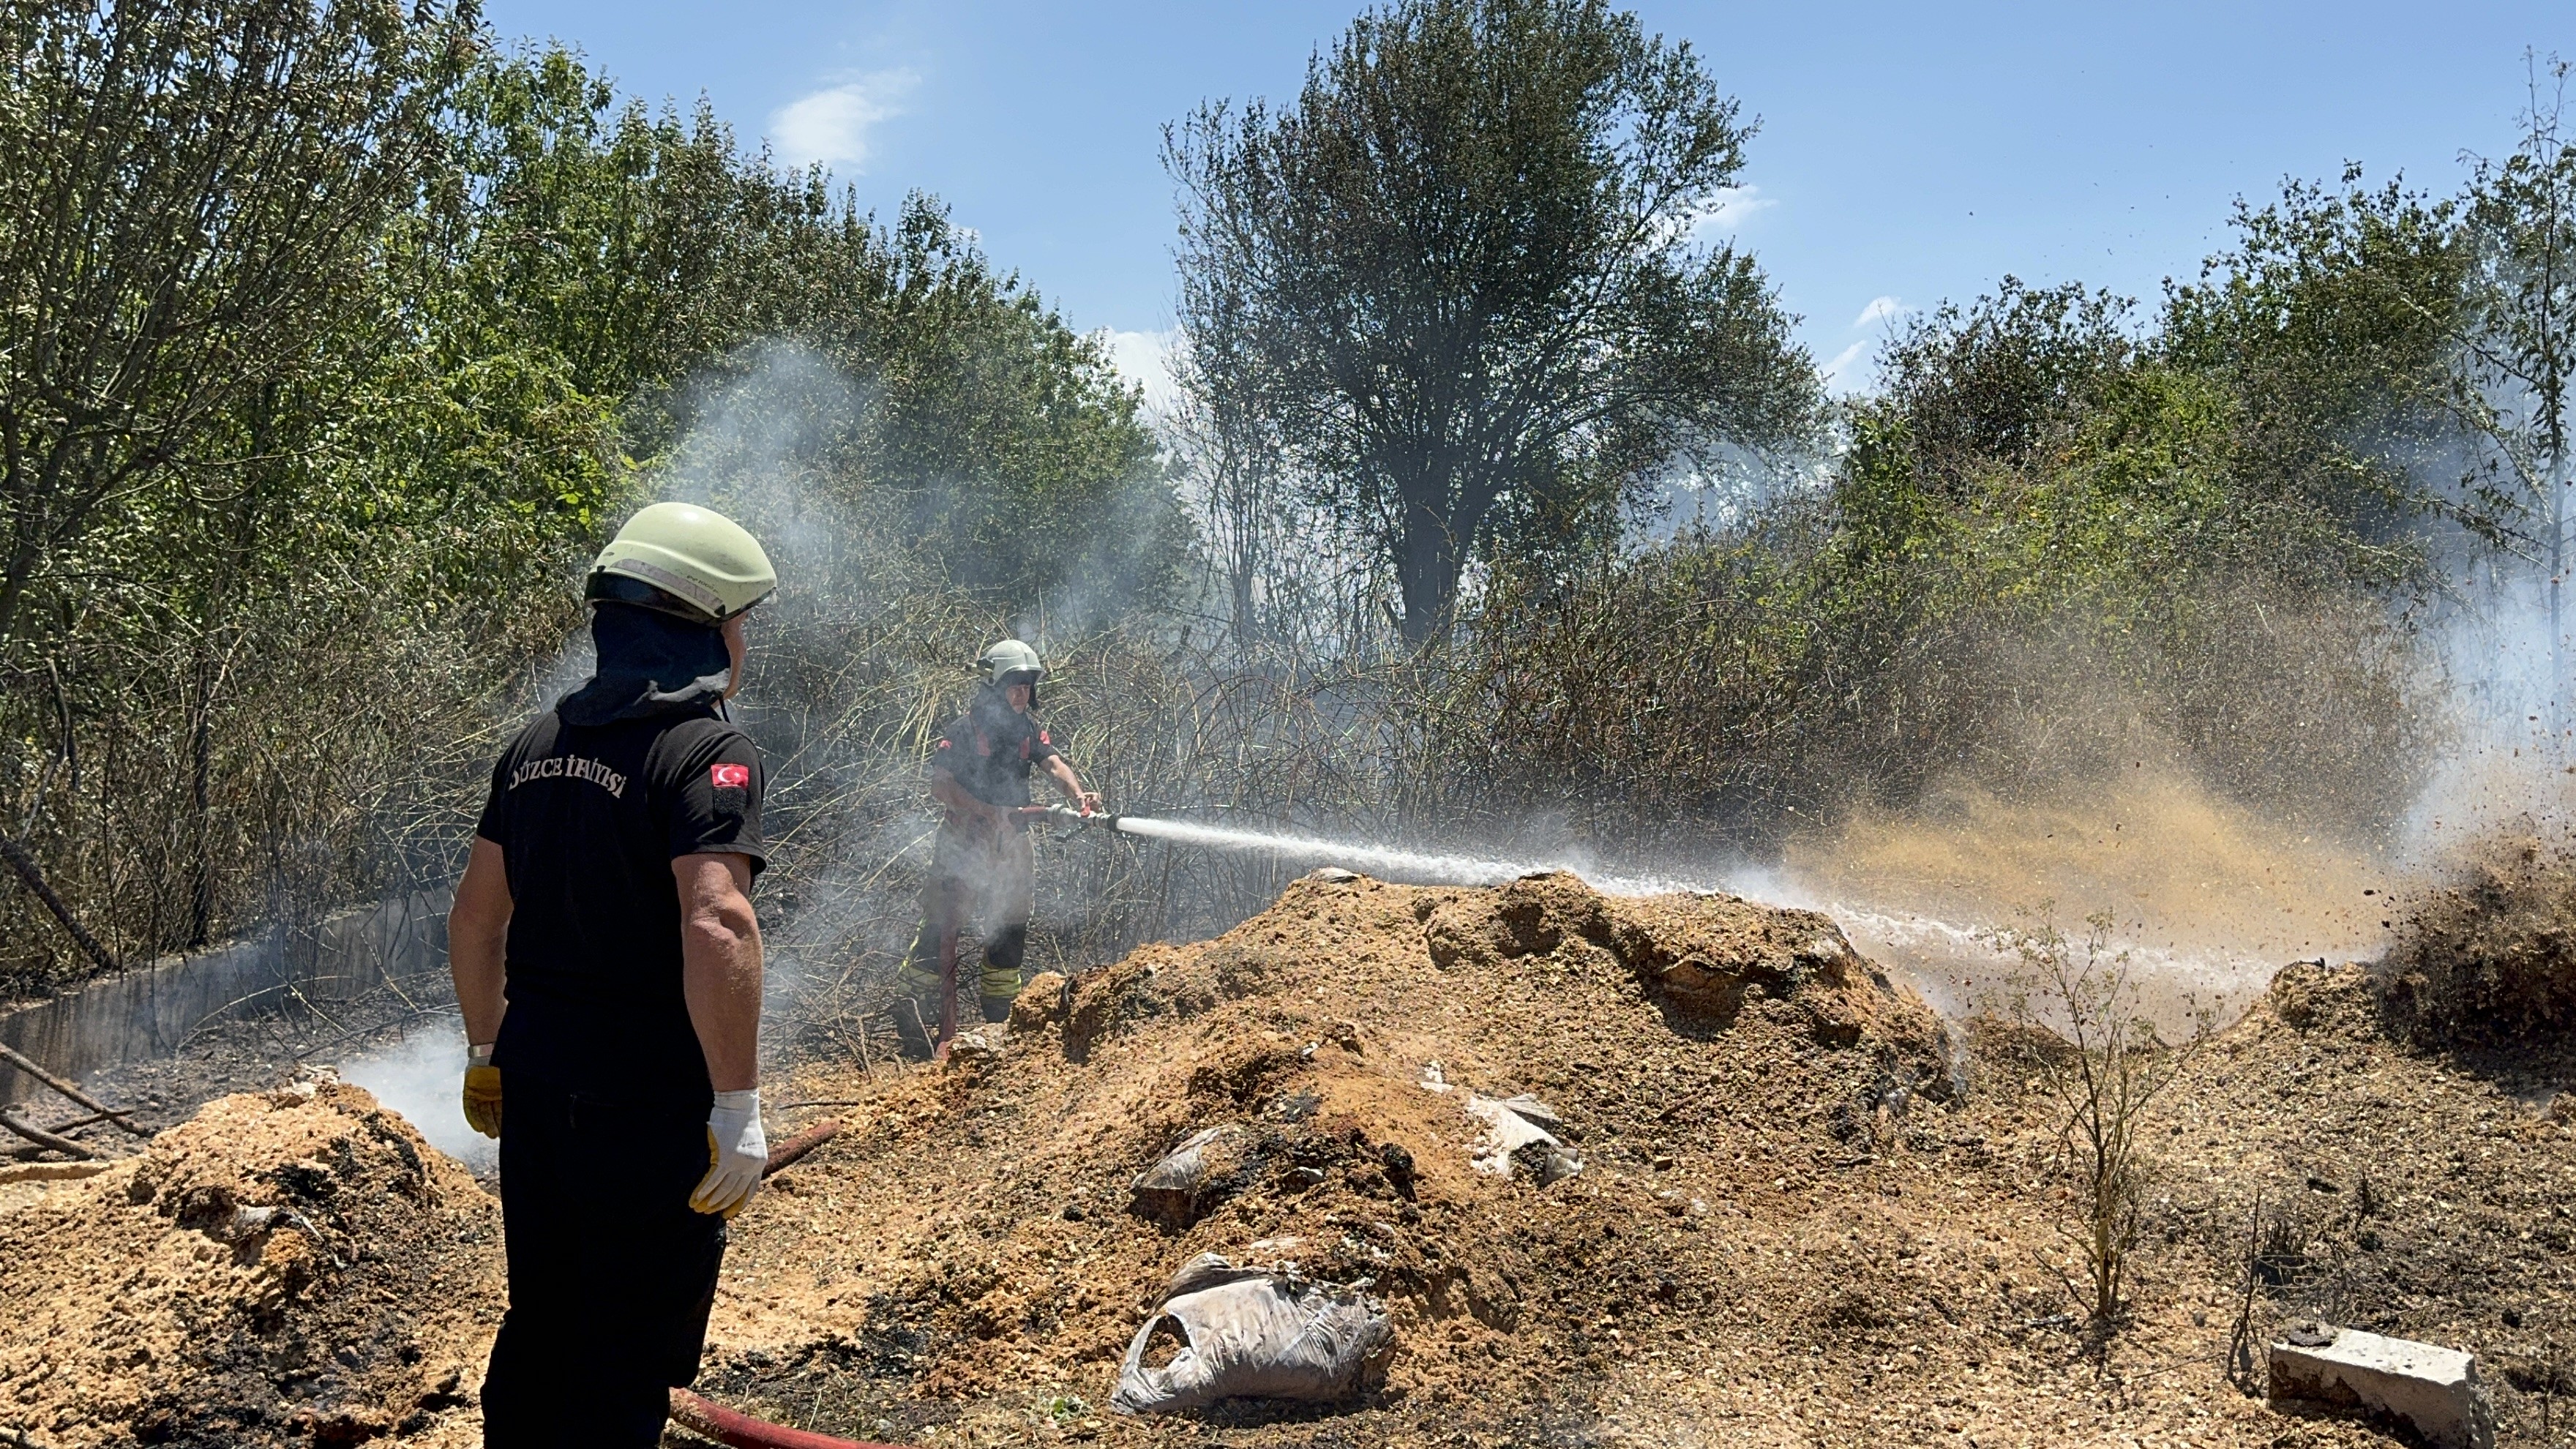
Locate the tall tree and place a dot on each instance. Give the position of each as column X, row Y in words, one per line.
column 2334, row 324
column 2519, row 361
column 190, row 191
column 1469, row 263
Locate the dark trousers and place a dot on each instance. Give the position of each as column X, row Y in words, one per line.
column 611, row 1272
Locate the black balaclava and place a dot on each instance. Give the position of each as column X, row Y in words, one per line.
column 649, row 664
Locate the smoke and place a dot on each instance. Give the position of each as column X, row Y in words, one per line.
column 776, row 444
column 2508, row 763
column 886, row 595
column 417, row 1078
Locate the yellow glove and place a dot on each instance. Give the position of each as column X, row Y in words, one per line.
column 482, row 1092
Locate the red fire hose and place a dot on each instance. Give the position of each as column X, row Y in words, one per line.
column 742, row 1431
column 788, row 1153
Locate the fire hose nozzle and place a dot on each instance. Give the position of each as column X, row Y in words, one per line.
column 1071, row 816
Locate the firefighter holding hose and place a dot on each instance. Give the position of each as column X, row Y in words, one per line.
column 982, row 869
column 608, row 962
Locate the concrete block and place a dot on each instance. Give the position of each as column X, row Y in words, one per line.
column 2435, row 1389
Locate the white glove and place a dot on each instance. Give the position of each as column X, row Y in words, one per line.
column 737, row 1151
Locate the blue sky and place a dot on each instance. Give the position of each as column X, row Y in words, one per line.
column 1908, row 152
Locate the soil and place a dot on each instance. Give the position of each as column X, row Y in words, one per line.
column 1801, row 1220
column 287, row 1268
column 1809, row 1214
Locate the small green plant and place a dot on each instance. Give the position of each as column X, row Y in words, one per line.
column 2112, row 1067
column 1062, row 1409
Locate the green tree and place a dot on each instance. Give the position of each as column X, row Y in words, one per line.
column 190, row 191
column 2518, row 360
column 1994, row 382
column 2333, row 325
column 1467, row 261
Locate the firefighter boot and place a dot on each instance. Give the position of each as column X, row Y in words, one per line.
column 1002, row 981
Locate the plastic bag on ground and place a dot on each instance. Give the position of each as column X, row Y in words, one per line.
column 1254, row 1333
column 1514, row 1123
column 1191, row 1178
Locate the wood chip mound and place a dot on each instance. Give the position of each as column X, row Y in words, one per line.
column 287, row 1268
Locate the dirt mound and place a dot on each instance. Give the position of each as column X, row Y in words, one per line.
column 1791, row 1227
column 294, row 1267
column 1803, row 1216
column 2356, row 1177
column 970, row 1246
column 2492, row 956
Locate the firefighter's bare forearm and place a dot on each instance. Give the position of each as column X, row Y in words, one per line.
column 478, row 934
column 1069, row 782
column 720, row 965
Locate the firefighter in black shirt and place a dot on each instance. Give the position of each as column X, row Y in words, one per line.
column 981, row 868
column 608, row 962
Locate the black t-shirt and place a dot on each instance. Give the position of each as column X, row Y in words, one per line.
column 989, row 750
column 589, row 821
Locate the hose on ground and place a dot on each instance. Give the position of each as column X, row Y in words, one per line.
column 742, row 1431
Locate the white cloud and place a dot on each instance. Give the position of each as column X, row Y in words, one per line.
column 1725, row 212
column 831, row 126
column 1719, row 216
column 1141, row 359
column 1881, row 309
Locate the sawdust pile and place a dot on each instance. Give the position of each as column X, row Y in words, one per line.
column 1792, row 1228
column 2490, row 956
column 294, row 1267
column 968, row 1253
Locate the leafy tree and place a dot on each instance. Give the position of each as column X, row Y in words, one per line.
column 189, row 194
column 2374, row 337
column 625, row 242
column 2518, row 362
column 2332, row 324
column 1466, row 264
column 280, row 609
column 1992, row 383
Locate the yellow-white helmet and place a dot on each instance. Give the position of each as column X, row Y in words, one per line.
column 684, row 560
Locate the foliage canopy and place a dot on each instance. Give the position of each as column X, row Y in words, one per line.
column 1462, row 276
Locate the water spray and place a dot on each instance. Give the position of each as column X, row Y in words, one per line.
column 1408, row 865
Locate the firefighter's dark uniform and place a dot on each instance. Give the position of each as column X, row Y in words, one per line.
column 979, row 872
column 605, row 1136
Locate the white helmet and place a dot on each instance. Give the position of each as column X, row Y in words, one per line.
column 1011, row 662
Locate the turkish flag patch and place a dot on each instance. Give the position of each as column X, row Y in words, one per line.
column 729, row 777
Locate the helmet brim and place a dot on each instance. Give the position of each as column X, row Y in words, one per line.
column 604, row 587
